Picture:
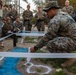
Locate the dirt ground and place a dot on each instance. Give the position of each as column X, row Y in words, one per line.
column 22, row 68
column 8, row 46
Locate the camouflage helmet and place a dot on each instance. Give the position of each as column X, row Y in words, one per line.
column 50, row 5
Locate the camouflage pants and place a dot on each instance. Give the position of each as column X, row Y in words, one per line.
column 61, row 45
column 28, row 26
column 41, row 26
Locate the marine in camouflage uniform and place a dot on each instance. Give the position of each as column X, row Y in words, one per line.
column 61, row 34
column 8, row 27
column 1, row 14
column 18, row 25
column 27, row 18
column 1, row 11
column 40, row 17
column 69, row 9
column 1, row 25
column 12, row 13
column 5, row 12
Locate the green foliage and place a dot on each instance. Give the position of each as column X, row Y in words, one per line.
column 60, row 73
column 23, row 65
column 39, row 51
column 39, row 3
column 56, row 63
column 33, row 20
column 73, row 3
column 28, row 39
column 72, row 68
column 23, row 59
column 38, row 70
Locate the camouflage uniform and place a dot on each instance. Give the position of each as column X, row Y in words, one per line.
column 1, row 13
column 61, row 34
column 40, row 21
column 1, row 25
column 7, row 27
column 18, row 26
column 68, row 9
column 27, row 23
column 13, row 14
column 5, row 13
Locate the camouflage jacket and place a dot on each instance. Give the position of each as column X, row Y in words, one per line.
column 13, row 13
column 18, row 25
column 61, row 25
column 27, row 14
column 5, row 13
column 1, row 25
column 40, row 15
column 68, row 9
column 1, row 12
column 7, row 27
